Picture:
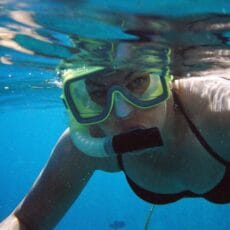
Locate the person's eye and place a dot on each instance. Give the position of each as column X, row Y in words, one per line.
column 98, row 96
column 137, row 83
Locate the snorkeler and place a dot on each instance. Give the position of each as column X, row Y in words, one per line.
column 169, row 137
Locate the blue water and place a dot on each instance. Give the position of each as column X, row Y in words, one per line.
column 32, row 116
column 28, row 136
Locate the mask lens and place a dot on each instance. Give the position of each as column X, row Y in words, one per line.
column 90, row 98
column 144, row 87
column 83, row 101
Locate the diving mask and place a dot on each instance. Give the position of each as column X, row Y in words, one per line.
column 90, row 94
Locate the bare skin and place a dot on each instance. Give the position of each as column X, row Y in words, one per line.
column 181, row 164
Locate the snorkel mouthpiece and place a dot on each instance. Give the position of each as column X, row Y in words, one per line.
column 123, row 143
column 138, row 139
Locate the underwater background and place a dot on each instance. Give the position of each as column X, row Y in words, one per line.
column 35, row 35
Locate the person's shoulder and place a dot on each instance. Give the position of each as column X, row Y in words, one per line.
column 212, row 92
column 64, row 142
column 195, row 84
column 206, row 101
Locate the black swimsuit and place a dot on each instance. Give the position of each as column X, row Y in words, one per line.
column 219, row 194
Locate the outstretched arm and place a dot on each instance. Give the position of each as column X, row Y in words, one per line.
column 59, row 184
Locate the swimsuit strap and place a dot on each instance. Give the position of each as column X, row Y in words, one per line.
column 196, row 132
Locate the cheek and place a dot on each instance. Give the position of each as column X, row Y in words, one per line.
column 110, row 126
column 156, row 116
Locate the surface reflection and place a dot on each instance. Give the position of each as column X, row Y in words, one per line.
column 37, row 35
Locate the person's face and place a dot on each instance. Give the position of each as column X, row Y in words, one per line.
column 125, row 116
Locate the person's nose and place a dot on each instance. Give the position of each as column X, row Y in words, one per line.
column 122, row 109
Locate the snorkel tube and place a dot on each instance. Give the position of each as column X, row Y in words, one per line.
column 85, row 142
column 119, row 144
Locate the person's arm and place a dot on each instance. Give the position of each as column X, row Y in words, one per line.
column 12, row 223
column 206, row 101
column 58, row 185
